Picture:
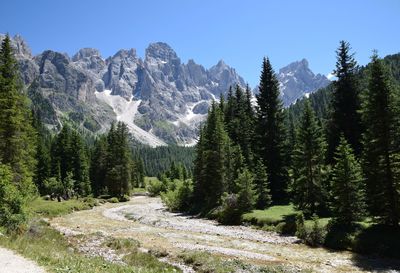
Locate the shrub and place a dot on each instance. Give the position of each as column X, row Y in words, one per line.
column 155, row 187
column 178, row 198
column 316, row 236
column 229, row 212
column 113, row 200
column 300, row 227
column 12, row 211
column 339, row 236
column 124, row 198
column 378, row 239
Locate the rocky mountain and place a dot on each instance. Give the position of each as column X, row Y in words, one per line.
column 160, row 98
column 297, row 80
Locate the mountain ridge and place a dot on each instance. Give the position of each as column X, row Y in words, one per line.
column 170, row 98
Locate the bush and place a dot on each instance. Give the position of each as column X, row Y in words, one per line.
column 178, row 198
column 300, row 227
column 155, row 187
column 12, row 211
column 288, row 226
column 316, row 236
column 229, row 212
column 124, row 198
column 378, row 239
column 113, row 200
column 340, row 236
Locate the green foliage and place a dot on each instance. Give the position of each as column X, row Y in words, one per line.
column 159, row 159
column 300, row 226
column 309, row 174
column 344, row 116
column 47, row 208
column 379, row 240
column 12, row 202
column 262, row 186
column 247, row 196
column 53, row 187
column 316, row 236
column 348, row 194
column 70, row 162
column 154, row 186
column 113, row 200
column 17, row 136
column 118, row 176
column 381, row 155
column 179, row 198
column 271, row 132
column 229, row 212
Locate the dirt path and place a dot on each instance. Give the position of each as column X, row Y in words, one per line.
column 14, row 263
column 146, row 220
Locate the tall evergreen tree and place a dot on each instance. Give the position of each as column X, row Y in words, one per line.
column 347, row 187
column 308, row 189
column 98, row 165
column 381, row 156
column 17, row 136
column 345, row 104
column 118, row 175
column 271, row 132
column 216, row 140
column 262, row 186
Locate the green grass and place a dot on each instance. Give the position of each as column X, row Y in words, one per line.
column 46, row 208
column 271, row 216
column 51, row 250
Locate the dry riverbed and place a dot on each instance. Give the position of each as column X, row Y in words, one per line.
column 146, row 220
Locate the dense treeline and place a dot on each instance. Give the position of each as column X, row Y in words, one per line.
column 159, row 159
column 34, row 160
column 334, row 155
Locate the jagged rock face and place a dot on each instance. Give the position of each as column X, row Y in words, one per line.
column 168, row 98
column 121, row 75
column 297, row 80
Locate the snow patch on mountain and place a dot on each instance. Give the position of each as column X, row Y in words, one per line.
column 126, row 111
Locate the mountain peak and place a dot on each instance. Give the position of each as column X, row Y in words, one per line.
column 86, row 52
column 161, row 51
column 297, row 80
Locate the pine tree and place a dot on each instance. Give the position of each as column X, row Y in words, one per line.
column 262, row 186
column 381, row 153
column 271, row 132
column 98, row 165
column 308, row 189
column 79, row 164
column 216, row 141
column 347, row 187
column 247, row 195
column 345, row 104
column 17, row 136
column 118, row 175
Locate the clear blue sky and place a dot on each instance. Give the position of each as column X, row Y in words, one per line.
column 239, row 32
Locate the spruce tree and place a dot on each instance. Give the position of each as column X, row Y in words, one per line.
column 262, row 186
column 309, row 193
column 247, row 195
column 347, row 186
column 381, row 156
column 216, row 141
column 98, row 165
column 118, row 174
column 271, row 132
column 345, row 104
column 17, row 136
